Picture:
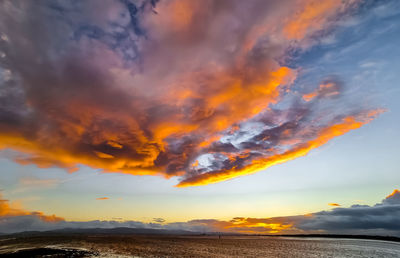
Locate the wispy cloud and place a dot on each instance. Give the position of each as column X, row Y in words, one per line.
column 37, row 182
column 32, row 183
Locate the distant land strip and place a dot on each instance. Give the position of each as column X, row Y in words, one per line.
column 145, row 231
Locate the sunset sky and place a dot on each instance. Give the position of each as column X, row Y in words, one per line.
column 250, row 116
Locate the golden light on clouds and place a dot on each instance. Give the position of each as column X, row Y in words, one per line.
column 202, row 92
column 10, row 210
column 325, row 134
column 394, row 193
column 102, row 198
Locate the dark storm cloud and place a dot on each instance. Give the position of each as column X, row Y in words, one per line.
column 384, row 216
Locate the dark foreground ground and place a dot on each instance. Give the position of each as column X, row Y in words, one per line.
column 191, row 246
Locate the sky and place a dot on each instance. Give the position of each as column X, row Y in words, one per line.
column 231, row 116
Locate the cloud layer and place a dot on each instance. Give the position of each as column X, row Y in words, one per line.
column 196, row 89
column 381, row 219
column 15, row 219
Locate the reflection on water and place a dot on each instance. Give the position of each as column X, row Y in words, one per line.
column 48, row 252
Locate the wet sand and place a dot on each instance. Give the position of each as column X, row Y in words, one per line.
column 192, row 246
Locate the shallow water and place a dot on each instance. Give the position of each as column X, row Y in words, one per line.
column 193, row 246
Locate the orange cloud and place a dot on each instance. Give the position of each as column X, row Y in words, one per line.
column 334, row 204
column 102, row 198
column 8, row 210
column 310, row 96
column 194, row 74
column 248, row 225
column 313, row 16
column 276, row 225
column 324, row 135
column 394, row 193
column 326, row 89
